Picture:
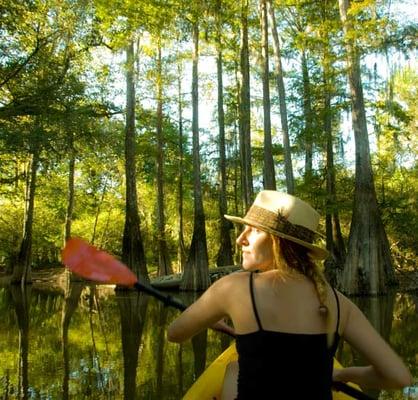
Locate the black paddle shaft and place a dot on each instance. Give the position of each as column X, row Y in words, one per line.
column 167, row 300
column 355, row 393
column 170, row 301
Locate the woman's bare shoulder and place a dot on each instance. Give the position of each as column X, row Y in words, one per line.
column 232, row 280
column 230, row 285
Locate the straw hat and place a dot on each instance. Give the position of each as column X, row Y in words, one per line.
column 286, row 216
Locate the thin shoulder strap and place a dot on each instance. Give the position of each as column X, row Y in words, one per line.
column 253, row 302
column 338, row 309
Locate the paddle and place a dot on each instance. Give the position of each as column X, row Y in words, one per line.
column 96, row 265
column 353, row 392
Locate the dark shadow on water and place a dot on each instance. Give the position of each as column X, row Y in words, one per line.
column 160, row 346
column 200, row 344
column 200, row 341
column 21, row 303
column 379, row 311
column 133, row 311
column 71, row 299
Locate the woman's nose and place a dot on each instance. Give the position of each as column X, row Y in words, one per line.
column 241, row 239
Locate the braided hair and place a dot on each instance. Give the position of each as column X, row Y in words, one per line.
column 290, row 256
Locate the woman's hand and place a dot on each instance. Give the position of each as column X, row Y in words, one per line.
column 338, row 375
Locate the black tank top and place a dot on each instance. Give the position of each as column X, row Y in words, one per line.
column 280, row 365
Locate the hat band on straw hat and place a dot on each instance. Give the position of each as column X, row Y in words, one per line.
column 279, row 223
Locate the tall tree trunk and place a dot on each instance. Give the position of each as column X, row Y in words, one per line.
column 308, row 116
column 70, row 198
column 132, row 248
column 224, row 256
column 245, row 111
column 278, row 71
column 334, row 239
column 22, row 269
column 238, row 174
column 70, row 195
column 98, row 209
column 268, row 171
column 164, row 263
column 181, row 252
column 196, row 272
column 368, row 268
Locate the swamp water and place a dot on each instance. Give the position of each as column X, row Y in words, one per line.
column 91, row 343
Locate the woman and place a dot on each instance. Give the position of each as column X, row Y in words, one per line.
column 287, row 319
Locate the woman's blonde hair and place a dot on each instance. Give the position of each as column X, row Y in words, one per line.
column 290, row 256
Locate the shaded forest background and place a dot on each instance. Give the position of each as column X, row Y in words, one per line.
column 101, row 136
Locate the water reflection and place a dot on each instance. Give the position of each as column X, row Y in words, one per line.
column 87, row 342
column 20, row 300
column 380, row 312
column 133, row 311
column 71, row 298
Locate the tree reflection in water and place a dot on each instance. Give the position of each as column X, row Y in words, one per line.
column 20, row 296
column 71, row 298
column 133, row 310
column 114, row 346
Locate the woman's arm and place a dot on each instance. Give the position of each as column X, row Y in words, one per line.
column 368, row 378
column 387, row 370
column 206, row 312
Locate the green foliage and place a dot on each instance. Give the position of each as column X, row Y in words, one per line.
column 61, row 82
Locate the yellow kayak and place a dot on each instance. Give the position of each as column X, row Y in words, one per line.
column 209, row 385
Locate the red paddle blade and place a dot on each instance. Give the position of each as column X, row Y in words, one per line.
column 85, row 260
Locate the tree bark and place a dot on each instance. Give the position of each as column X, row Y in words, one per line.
column 70, row 195
column 278, row 70
column 132, row 248
column 334, row 239
column 308, row 116
column 181, row 246
column 368, row 268
column 268, row 170
column 98, row 209
column 22, row 271
column 224, row 256
column 196, row 272
column 164, row 263
column 238, row 174
column 245, row 111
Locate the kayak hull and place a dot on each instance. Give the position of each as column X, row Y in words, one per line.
column 209, row 385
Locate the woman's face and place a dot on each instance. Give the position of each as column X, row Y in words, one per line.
column 257, row 249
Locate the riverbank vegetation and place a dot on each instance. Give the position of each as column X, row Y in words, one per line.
column 102, row 107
